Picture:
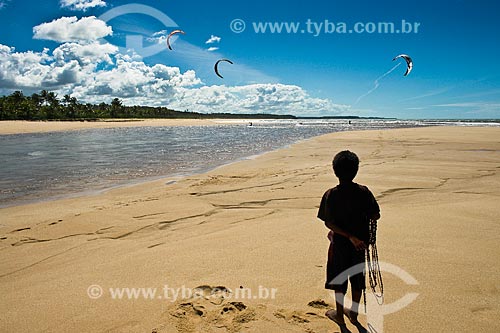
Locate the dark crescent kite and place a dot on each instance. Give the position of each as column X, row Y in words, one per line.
column 171, row 34
column 409, row 62
column 216, row 67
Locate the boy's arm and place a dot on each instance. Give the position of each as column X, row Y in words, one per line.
column 358, row 244
column 373, row 207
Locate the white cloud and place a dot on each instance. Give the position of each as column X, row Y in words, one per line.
column 160, row 33
column 213, row 39
column 72, row 29
column 90, row 69
column 133, row 81
column 28, row 69
column 82, row 4
column 96, row 73
column 69, row 64
column 273, row 98
column 211, row 49
column 158, row 37
column 85, row 54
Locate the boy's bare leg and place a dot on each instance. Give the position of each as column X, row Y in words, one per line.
column 338, row 318
column 352, row 314
column 356, row 298
column 339, row 301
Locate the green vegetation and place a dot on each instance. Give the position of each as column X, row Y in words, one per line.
column 46, row 106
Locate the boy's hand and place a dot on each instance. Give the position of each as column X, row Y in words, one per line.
column 358, row 244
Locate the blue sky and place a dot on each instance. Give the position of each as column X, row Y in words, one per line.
column 63, row 45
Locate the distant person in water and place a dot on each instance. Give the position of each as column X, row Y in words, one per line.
column 347, row 210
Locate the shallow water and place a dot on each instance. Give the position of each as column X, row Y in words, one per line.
column 48, row 165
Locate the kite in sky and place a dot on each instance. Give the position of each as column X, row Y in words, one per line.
column 216, row 67
column 409, row 62
column 171, row 34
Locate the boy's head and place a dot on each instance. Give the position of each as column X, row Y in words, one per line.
column 345, row 165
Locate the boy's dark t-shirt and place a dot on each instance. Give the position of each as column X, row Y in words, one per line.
column 349, row 206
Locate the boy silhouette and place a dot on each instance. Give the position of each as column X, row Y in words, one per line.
column 347, row 210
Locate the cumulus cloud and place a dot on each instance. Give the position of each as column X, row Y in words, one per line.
column 92, row 69
column 84, row 54
column 72, row 29
column 133, row 81
column 82, row 4
column 96, row 73
column 254, row 98
column 68, row 64
column 213, row 39
column 211, row 49
column 15, row 68
column 33, row 72
column 141, row 89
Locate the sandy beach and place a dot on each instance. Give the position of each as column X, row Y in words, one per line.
column 252, row 226
column 23, row 126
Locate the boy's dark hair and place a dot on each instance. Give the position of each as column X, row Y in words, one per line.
column 345, row 165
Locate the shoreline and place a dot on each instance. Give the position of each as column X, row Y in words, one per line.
column 130, row 183
column 253, row 223
column 144, row 181
column 102, row 188
column 8, row 127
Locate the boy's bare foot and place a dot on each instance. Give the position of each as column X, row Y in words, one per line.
column 353, row 318
column 332, row 315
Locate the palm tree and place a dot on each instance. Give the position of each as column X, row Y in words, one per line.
column 52, row 99
column 43, row 96
column 66, row 99
column 17, row 97
column 70, row 104
column 116, row 107
column 36, row 103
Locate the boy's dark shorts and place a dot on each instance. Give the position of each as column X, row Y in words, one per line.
column 341, row 256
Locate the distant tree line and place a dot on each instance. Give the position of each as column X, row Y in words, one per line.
column 46, row 106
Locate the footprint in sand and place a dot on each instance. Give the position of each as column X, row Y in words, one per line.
column 233, row 307
column 188, row 309
column 319, row 304
column 294, row 317
column 207, row 309
column 212, row 309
